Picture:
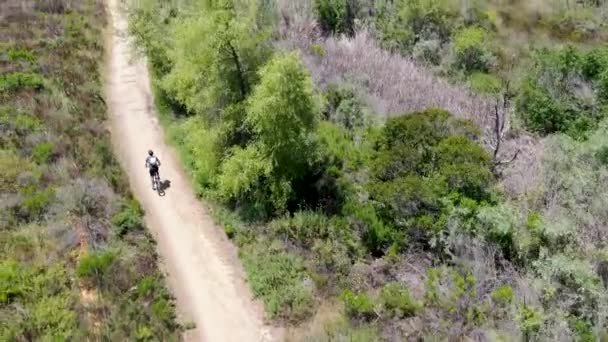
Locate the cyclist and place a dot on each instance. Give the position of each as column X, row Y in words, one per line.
column 152, row 163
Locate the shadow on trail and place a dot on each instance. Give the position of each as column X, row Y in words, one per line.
column 163, row 185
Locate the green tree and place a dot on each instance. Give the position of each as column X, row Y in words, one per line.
column 283, row 113
column 215, row 56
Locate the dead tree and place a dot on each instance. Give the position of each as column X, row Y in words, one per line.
column 502, row 109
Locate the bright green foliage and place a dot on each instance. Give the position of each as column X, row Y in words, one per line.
column 42, row 153
column 278, row 278
column 530, row 320
column 470, row 47
column 243, row 172
column 283, row 113
column 199, row 145
column 21, row 55
column 20, row 80
column 485, row 83
column 397, row 301
column 130, row 218
column 35, row 202
column 336, row 16
column 564, row 91
column 95, row 265
column 215, row 59
column 503, row 295
column 358, row 305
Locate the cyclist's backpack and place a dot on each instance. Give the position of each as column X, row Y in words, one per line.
column 153, row 161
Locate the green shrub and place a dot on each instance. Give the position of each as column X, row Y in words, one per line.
column 20, row 80
column 404, row 23
column 485, row 83
column 470, row 48
column 396, row 300
column 303, row 228
column 530, row 320
column 54, row 319
column 280, row 280
column 20, row 123
column 503, row 295
column 358, row 305
column 95, row 265
column 12, row 166
column 42, row 153
column 129, row 219
column 199, row 145
column 317, row 50
column 336, row 16
column 343, row 107
column 563, row 92
column 242, row 174
column 583, row 330
column 35, row 202
column 602, row 155
column 12, row 284
column 21, row 55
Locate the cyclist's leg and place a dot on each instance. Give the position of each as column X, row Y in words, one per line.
column 152, row 177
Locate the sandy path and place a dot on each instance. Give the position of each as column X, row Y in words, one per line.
column 202, row 267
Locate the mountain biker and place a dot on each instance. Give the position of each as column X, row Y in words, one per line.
column 152, row 163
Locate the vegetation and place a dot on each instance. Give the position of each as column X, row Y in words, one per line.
column 343, row 170
column 75, row 265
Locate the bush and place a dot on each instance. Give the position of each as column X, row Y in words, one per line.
column 405, row 23
column 396, row 300
column 470, row 48
column 358, row 305
column 336, row 16
column 95, row 265
column 280, row 280
column 343, row 107
column 303, row 228
column 129, row 219
column 485, row 83
column 243, row 173
column 42, row 153
column 21, row 55
column 200, row 150
column 503, row 295
column 20, row 80
column 12, row 166
column 35, row 202
column 563, row 92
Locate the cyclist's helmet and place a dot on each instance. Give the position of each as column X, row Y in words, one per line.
column 150, row 152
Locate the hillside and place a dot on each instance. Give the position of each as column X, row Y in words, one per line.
column 395, row 170
column 389, row 170
column 76, row 262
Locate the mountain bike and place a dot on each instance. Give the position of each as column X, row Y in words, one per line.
column 157, row 185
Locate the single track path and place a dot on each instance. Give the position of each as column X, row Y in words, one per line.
column 202, row 267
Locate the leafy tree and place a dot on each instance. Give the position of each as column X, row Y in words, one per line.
column 215, row 58
column 283, row 112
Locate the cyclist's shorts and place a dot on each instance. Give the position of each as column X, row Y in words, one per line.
column 153, row 171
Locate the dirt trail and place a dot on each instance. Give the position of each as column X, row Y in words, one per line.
column 202, row 266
